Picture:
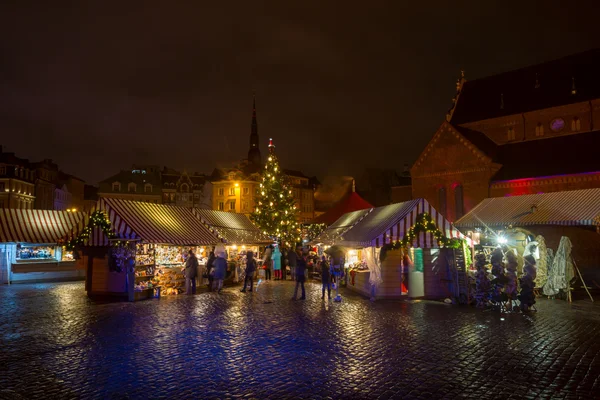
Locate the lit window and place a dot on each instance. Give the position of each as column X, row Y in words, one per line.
column 246, row 190
column 232, row 205
column 221, row 191
column 116, row 187
column 221, row 206
column 576, row 124
column 232, row 191
column 511, row 133
column 539, row 130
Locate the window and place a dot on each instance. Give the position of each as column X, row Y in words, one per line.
column 511, row 135
column 458, row 200
column 442, row 200
column 2, row 186
column 221, row 206
column 184, row 188
column 232, row 205
column 232, row 191
column 131, row 187
column 221, row 191
column 246, row 190
column 116, row 187
column 147, row 188
column 539, row 130
column 2, row 170
column 576, row 125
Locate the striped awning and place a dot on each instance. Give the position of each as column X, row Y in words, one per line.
column 576, row 207
column 385, row 224
column 38, row 226
column 152, row 223
column 233, row 228
column 335, row 231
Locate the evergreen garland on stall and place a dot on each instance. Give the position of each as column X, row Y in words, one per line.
column 311, row 231
column 275, row 212
column 425, row 224
column 98, row 219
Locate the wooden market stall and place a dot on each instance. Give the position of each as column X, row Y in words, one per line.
column 376, row 237
column 31, row 245
column 542, row 219
column 137, row 250
column 238, row 234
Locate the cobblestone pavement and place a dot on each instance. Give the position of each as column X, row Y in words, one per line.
column 58, row 344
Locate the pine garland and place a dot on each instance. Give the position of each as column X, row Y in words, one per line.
column 98, row 219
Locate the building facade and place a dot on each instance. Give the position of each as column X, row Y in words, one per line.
column 17, row 182
column 532, row 130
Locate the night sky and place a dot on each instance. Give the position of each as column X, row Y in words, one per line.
column 339, row 87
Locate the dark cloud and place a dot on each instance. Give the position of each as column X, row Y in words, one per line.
column 340, row 86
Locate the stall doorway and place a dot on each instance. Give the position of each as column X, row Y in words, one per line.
column 416, row 278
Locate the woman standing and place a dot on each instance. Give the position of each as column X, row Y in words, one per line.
column 267, row 264
column 220, row 269
column 277, row 263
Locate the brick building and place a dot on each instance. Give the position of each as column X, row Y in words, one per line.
column 527, row 131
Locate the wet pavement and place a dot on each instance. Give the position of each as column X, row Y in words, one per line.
column 56, row 343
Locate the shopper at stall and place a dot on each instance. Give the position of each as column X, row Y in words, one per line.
column 300, row 273
column 250, row 270
column 325, row 277
column 277, row 263
column 209, row 267
column 267, row 263
column 219, row 271
column 292, row 259
column 191, row 268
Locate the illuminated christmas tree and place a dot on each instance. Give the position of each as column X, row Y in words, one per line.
column 275, row 212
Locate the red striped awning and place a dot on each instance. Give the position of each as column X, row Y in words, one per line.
column 574, row 207
column 39, row 226
column 390, row 223
column 152, row 223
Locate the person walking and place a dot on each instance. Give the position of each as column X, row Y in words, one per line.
column 250, row 270
column 325, row 277
column 191, row 269
column 209, row 267
column 300, row 270
column 219, row 271
column 277, row 263
column 292, row 261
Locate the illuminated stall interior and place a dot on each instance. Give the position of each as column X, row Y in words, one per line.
column 31, row 245
column 372, row 235
column 157, row 236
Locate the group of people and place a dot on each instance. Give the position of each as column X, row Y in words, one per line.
column 216, row 269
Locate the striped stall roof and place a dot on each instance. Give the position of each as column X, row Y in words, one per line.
column 234, row 228
column 334, row 232
column 152, row 223
column 576, row 207
column 389, row 223
column 39, row 226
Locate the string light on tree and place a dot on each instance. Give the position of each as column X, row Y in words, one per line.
column 276, row 212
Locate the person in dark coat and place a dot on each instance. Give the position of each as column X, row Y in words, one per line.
column 209, row 267
column 292, row 261
column 300, row 274
column 250, row 269
column 219, row 271
column 325, row 277
column 191, row 268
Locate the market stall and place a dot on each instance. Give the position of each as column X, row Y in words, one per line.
column 536, row 224
column 31, row 245
column 239, row 234
column 401, row 249
column 138, row 250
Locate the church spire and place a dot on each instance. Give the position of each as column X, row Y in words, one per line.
column 254, row 156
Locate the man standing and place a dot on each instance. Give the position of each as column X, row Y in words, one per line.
column 300, row 273
column 191, row 268
column 292, row 261
column 250, row 268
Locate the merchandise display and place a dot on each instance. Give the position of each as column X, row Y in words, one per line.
column 35, row 252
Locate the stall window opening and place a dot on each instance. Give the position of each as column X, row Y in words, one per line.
column 34, row 252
